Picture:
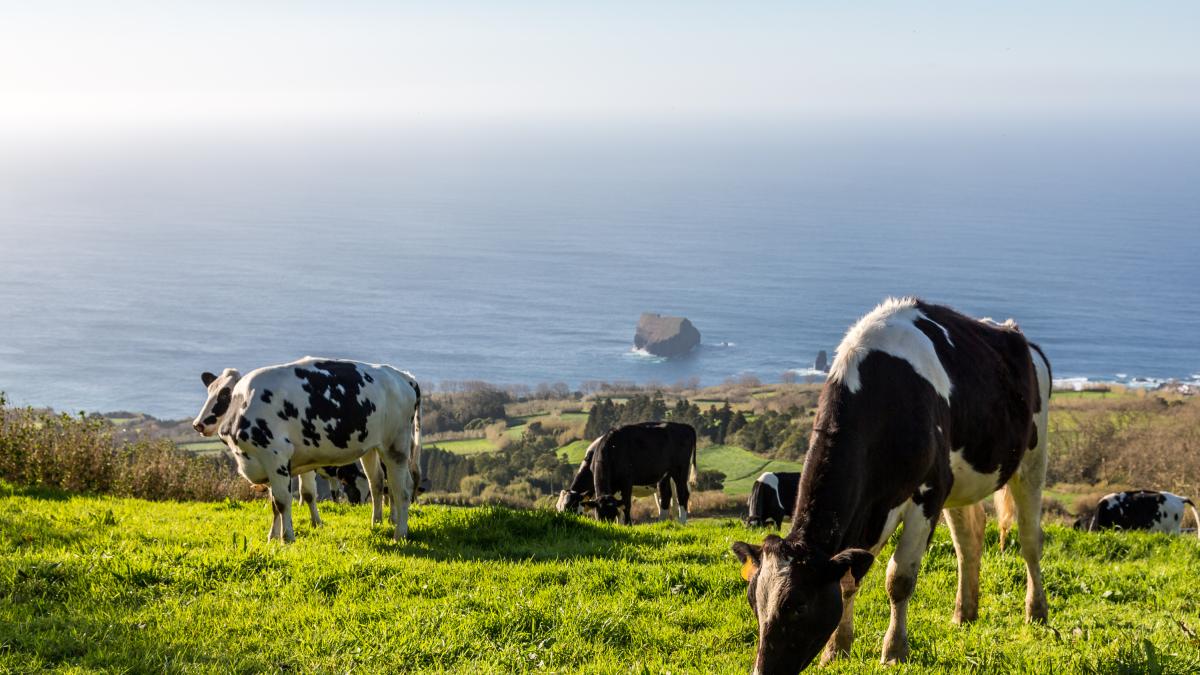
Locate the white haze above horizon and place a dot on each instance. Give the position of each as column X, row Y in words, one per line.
column 80, row 68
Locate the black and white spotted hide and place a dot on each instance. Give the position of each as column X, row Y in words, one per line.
column 295, row 418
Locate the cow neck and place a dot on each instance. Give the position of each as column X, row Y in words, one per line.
column 831, row 509
column 583, row 482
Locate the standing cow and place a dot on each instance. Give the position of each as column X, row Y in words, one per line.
column 925, row 409
column 1140, row 510
column 772, row 497
column 290, row 419
column 649, row 453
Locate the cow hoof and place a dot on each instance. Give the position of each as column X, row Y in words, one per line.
column 895, row 655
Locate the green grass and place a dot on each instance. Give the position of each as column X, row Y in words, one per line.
column 467, row 446
column 112, row 585
column 575, row 451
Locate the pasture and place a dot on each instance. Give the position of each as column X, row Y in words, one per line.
column 99, row 584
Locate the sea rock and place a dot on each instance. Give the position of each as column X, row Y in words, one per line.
column 822, row 362
column 665, row 335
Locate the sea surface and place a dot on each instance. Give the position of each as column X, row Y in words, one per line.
column 129, row 265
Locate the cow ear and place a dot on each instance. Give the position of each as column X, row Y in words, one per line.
column 207, row 378
column 856, row 560
column 750, row 556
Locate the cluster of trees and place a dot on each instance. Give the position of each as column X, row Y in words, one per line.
column 782, row 435
column 473, row 406
column 525, row 469
column 715, row 424
column 606, row 414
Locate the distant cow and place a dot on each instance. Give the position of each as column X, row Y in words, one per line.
column 772, row 497
column 291, row 419
column 649, row 453
column 1140, row 510
column 925, row 409
column 348, row 479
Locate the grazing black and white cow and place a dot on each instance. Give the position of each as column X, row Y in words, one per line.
column 1140, row 510
column 348, row 479
column 648, row 453
column 772, row 497
column 293, row 418
column 925, row 409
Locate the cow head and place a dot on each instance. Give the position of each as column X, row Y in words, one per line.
column 356, row 487
column 569, row 500
column 608, row 507
column 217, row 405
column 796, row 596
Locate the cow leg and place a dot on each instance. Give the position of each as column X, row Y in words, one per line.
column 627, row 504
column 276, row 521
column 842, row 640
column 1026, row 488
column 400, row 487
column 308, row 495
column 374, row 471
column 664, row 498
column 902, row 580
column 682, row 494
column 281, row 503
column 966, row 531
column 843, row 637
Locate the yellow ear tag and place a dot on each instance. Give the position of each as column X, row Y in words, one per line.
column 749, row 569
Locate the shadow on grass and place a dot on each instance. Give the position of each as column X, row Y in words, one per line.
column 34, row 492
column 499, row 533
column 34, row 530
column 62, row 638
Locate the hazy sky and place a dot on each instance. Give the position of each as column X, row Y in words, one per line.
column 79, row 65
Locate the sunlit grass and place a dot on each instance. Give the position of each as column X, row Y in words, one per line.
column 132, row 586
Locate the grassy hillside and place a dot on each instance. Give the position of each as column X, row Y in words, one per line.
column 125, row 585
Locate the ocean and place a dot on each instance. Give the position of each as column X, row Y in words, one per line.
column 522, row 255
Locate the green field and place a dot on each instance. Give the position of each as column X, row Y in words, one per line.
column 112, row 585
column 468, row 446
column 204, row 447
column 741, row 467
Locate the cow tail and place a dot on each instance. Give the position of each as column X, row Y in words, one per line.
column 693, row 478
column 1195, row 516
column 416, row 427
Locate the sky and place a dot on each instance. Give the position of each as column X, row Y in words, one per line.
column 93, row 66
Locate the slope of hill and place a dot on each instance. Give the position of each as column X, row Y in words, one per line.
column 103, row 584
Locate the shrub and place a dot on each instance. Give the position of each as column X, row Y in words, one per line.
column 80, row 454
column 710, row 479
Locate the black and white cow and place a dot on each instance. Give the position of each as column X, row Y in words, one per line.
column 348, row 479
column 648, row 453
column 772, row 497
column 925, row 409
column 293, row 418
column 1140, row 510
